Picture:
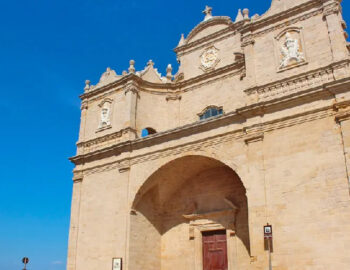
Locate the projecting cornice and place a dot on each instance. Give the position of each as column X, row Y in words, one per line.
column 238, row 67
column 107, row 146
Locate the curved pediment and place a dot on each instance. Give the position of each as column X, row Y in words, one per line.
column 208, row 27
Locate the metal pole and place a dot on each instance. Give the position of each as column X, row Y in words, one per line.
column 269, row 246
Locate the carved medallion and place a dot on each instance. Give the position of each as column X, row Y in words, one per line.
column 209, row 58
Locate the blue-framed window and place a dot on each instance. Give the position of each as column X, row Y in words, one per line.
column 147, row 131
column 211, row 112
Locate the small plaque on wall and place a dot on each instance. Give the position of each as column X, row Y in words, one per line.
column 117, row 264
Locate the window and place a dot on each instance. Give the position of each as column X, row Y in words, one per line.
column 147, row 131
column 211, row 112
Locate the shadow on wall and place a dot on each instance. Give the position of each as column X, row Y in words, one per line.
column 192, row 185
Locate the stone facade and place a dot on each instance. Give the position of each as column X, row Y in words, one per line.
column 277, row 152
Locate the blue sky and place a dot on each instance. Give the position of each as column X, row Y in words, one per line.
column 47, row 50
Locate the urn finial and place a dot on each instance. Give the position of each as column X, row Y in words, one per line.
column 132, row 66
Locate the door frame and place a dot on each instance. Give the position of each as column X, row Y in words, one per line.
column 204, row 224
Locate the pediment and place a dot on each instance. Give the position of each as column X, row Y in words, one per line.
column 208, row 27
column 108, row 77
column 151, row 74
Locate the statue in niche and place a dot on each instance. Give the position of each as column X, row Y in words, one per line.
column 105, row 115
column 291, row 51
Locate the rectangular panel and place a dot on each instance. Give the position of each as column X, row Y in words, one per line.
column 214, row 250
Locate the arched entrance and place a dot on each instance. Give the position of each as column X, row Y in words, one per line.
column 192, row 213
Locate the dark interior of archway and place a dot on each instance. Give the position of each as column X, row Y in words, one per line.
column 192, row 185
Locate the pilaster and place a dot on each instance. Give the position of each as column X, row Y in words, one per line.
column 342, row 117
column 83, row 108
column 331, row 11
column 256, row 194
column 74, row 222
column 131, row 96
column 248, row 50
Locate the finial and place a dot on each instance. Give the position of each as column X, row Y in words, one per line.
column 87, row 85
column 246, row 14
column 182, row 40
column 207, row 13
column 124, row 72
column 169, row 70
column 150, row 63
column 132, row 66
column 239, row 16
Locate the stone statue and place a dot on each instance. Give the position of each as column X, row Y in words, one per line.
column 291, row 51
column 105, row 116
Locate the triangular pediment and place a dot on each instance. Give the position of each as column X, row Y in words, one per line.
column 151, row 74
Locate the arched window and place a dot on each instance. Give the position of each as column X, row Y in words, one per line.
column 148, row 131
column 210, row 111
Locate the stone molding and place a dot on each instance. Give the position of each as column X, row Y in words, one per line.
column 298, row 89
column 331, row 8
column 103, row 141
column 173, row 97
column 296, row 84
column 238, row 134
column 287, row 23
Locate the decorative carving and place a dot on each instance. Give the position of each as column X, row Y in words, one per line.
column 246, row 14
column 87, row 85
column 292, row 51
column 84, row 105
column 297, row 83
column 131, row 87
column 132, row 66
column 209, row 58
column 247, row 40
column 239, row 16
column 169, row 70
column 173, row 97
column 333, row 8
column 105, row 114
column 207, row 11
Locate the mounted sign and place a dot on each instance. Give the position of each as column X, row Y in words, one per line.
column 268, row 231
column 117, row 264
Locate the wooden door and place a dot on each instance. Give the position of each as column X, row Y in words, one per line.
column 214, row 250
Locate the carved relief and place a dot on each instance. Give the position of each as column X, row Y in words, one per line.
column 209, row 58
column 105, row 114
column 290, row 49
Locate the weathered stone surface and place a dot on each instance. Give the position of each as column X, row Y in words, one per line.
column 278, row 154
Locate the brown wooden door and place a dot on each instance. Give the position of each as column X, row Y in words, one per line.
column 214, row 250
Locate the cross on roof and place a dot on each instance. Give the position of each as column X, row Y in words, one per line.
column 207, row 11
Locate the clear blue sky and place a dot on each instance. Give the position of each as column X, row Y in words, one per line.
column 48, row 49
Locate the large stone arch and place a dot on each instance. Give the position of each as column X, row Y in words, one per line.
column 179, row 201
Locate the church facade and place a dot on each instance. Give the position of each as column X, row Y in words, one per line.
column 240, row 160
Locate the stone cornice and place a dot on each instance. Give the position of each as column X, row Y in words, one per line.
column 239, row 116
column 256, row 133
column 164, row 89
column 297, row 83
column 282, row 16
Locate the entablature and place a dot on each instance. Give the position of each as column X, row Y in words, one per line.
column 239, row 118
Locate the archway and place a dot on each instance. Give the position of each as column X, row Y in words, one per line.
column 178, row 206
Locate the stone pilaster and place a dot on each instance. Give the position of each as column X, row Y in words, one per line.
column 131, row 94
column 84, row 108
column 331, row 11
column 257, row 194
column 248, row 50
column 74, row 223
column 343, row 119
